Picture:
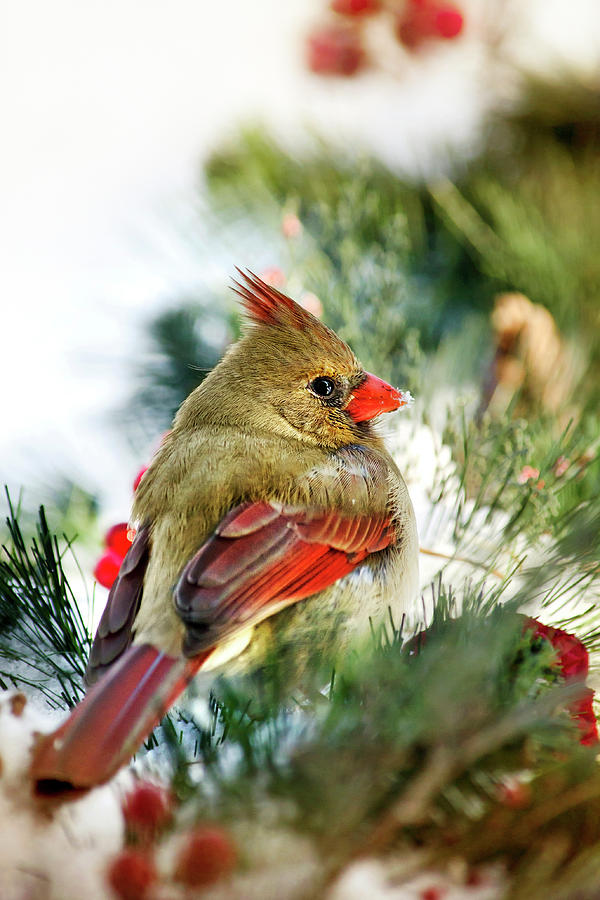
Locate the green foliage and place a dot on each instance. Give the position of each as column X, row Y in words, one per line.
column 404, row 271
column 534, row 230
column 72, row 508
column 255, row 171
column 532, row 227
column 370, row 249
column 412, row 740
column 181, row 354
column 526, row 504
column 494, row 457
column 44, row 643
column 411, row 744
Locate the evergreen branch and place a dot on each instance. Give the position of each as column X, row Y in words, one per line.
column 447, row 762
column 43, row 635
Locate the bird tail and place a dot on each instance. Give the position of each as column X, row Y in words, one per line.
column 110, row 723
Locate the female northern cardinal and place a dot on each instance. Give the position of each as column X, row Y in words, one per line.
column 271, row 488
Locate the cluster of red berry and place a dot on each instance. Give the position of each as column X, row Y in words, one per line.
column 338, row 47
column 572, row 661
column 117, row 542
column 205, row 855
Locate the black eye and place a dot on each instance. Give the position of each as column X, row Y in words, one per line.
column 322, row 387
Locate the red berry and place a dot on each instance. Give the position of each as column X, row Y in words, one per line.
column 414, row 25
column 107, row 568
column 356, row 7
column 582, row 711
column 475, row 878
column 408, row 34
column 291, row 226
column 448, row 22
column 335, row 50
column 119, row 538
column 561, row 466
column 274, row 276
column 572, row 660
column 422, row 20
column 146, row 810
column 514, row 793
column 207, row 855
column 131, row 875
column 138, row 477
column 432, row 893
column 571, row 652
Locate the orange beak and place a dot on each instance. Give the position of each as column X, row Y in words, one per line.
column 375, row 396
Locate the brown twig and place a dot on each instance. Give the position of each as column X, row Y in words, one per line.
column 454, row 558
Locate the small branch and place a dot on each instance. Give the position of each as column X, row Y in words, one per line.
column 444, row 764
column 454, row 558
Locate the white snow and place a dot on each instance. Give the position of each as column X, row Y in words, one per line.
column 60, row 853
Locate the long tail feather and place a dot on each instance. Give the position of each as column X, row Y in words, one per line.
column 112, row 720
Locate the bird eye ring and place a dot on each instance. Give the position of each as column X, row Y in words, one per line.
column 322, row 387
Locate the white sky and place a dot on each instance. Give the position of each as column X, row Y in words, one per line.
column 107, row 109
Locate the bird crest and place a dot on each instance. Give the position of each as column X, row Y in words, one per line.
column 265, row 305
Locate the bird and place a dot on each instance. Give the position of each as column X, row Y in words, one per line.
column 271, row 507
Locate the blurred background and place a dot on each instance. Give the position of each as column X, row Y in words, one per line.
column 400, row 164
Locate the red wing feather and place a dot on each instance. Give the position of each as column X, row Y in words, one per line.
column 112, row 720
column 263, row 557
column 114, row 631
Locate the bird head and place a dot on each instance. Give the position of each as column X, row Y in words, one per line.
column 291, row 374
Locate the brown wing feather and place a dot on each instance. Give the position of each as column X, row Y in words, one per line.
column 114, row 632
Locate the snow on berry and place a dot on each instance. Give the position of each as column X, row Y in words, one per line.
column 514, row 792
column 119, row 538
column 378, row 880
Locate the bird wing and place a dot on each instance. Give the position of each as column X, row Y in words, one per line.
column 264, row 556
column 114, row 634
column 261, row 558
